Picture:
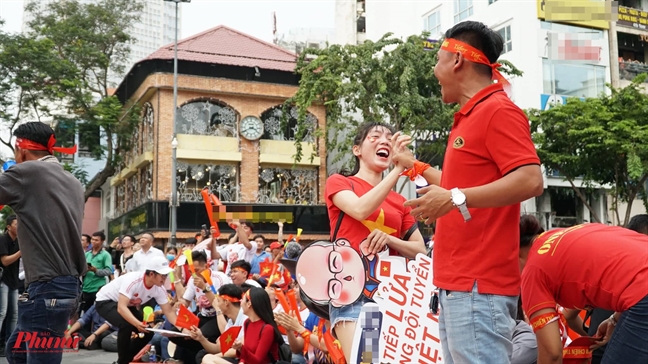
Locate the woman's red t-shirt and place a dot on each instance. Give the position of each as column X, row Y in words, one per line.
column 391, row 217
column 586, row 266
column 259, row 344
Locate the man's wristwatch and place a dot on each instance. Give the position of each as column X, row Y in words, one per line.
column 459, row 200
column 613, row 320
column 206, row 289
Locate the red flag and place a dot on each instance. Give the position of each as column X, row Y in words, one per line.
column 385, row 269
column 228, row 337
column 266, row 268
column 186, row 319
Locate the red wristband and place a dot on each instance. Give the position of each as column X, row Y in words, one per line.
column 416, row 170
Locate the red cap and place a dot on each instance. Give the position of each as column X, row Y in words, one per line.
column 276, row 245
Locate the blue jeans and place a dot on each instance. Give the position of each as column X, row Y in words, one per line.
column 8, row 308
column 629, row 342
column 44, row 314
column 349, row 313
column 476, row 328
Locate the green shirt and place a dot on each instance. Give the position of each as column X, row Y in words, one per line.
column 92, row 283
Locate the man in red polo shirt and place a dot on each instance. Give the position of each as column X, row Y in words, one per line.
column 490, row 167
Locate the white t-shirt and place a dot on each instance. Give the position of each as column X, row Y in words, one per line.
column 192, row 292
column 138, row 262
column 132, row 286
column 237, row 251
column 240, row 320
column 253, row 283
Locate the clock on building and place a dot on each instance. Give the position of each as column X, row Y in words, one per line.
column 251, row 128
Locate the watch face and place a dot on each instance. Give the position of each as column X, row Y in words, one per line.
column 251, row 128
column 458, row 199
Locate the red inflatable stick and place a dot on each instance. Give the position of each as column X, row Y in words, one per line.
column 210, row 201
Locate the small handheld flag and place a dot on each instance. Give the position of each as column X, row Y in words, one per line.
column 186, row 319
column 228, row 337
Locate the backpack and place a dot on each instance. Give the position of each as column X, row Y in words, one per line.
column 285, row 354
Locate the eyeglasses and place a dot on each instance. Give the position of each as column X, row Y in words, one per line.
column 335, row 266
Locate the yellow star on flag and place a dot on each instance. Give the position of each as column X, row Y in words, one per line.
column 385, row 269
column 228, row 339
column 379, row 224
column 266, row 270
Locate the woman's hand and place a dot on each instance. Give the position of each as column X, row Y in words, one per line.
column 289, row 322
column 377, row 240
column 196, row 334
column 401, row 154
column 237, row 345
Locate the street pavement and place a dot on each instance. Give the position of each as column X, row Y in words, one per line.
column 84, row 356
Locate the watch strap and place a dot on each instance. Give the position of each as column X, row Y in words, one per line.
column 463, row 209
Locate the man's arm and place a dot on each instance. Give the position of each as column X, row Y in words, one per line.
column 519, row 185
column 122, row 309
column 574, row 321
column 550, row 347
column 169, row 313
column 105, row 270
column 10, row 259
column 11, row 186
column 243, row 238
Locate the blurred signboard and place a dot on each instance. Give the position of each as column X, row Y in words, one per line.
column 587, row 13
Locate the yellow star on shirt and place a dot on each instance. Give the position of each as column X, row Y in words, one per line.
column 379, row 224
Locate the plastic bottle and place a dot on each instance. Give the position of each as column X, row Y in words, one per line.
column 152, row 356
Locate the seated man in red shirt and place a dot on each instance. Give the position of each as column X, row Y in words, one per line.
column 585, row 266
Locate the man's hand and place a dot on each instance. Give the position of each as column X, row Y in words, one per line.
column 377, row 241
column 401, row 154
column 92, row 269
column 280, row 224
column 199, row 282
column 289, row 322
column 141, row 327
column 603, row 334
column 435, row 203
column 89, row 340
column 196, row 334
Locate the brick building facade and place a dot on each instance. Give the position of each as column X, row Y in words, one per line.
column 224, row 77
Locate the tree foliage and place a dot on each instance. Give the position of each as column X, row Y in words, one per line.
column 389, row 80
column 601, row 140
column 80, row 45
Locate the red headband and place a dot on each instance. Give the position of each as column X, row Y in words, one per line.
column 474, row 55
column 31, row 145
column 229, row 298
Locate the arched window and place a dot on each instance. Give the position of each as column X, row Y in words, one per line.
column 208, row 117
column 275, row 130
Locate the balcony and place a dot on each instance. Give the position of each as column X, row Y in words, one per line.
column 628, row 70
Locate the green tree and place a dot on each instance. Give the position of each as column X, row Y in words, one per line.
column 601, row 140
column 27, row 79
column 389, row 80
column 91, row 41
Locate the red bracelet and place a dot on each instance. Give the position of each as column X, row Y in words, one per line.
column 541, row 321
column 416, row 170
column 306, row 335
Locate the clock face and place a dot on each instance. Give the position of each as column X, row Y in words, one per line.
column 251, row 128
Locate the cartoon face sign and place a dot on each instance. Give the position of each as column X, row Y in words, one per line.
column 332, row 272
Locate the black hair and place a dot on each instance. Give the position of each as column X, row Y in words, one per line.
column 100, row 234
column 261, row 305
column 149, row 234
column 191, row 241
column 250, row 225
column 88, row 237
column 231, row 235
column 639, row 223
column 246, row 287
column 11, row 218
column 361, row 134
column 242, row 264
column 258, row 236
column 480, row 36
column 231, row 290
column 172, row 248
column 199, row 256
column 132, row 238
column 529, row 229
column 36, row 132
column 197, row 235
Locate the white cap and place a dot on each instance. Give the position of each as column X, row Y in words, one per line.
column 159, row 265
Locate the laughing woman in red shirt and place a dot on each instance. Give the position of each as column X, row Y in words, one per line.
column 261, row 336
column 372, row 211
column 585, row 266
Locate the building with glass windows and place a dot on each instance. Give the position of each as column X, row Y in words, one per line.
column 559, row 58
column 233, row 138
